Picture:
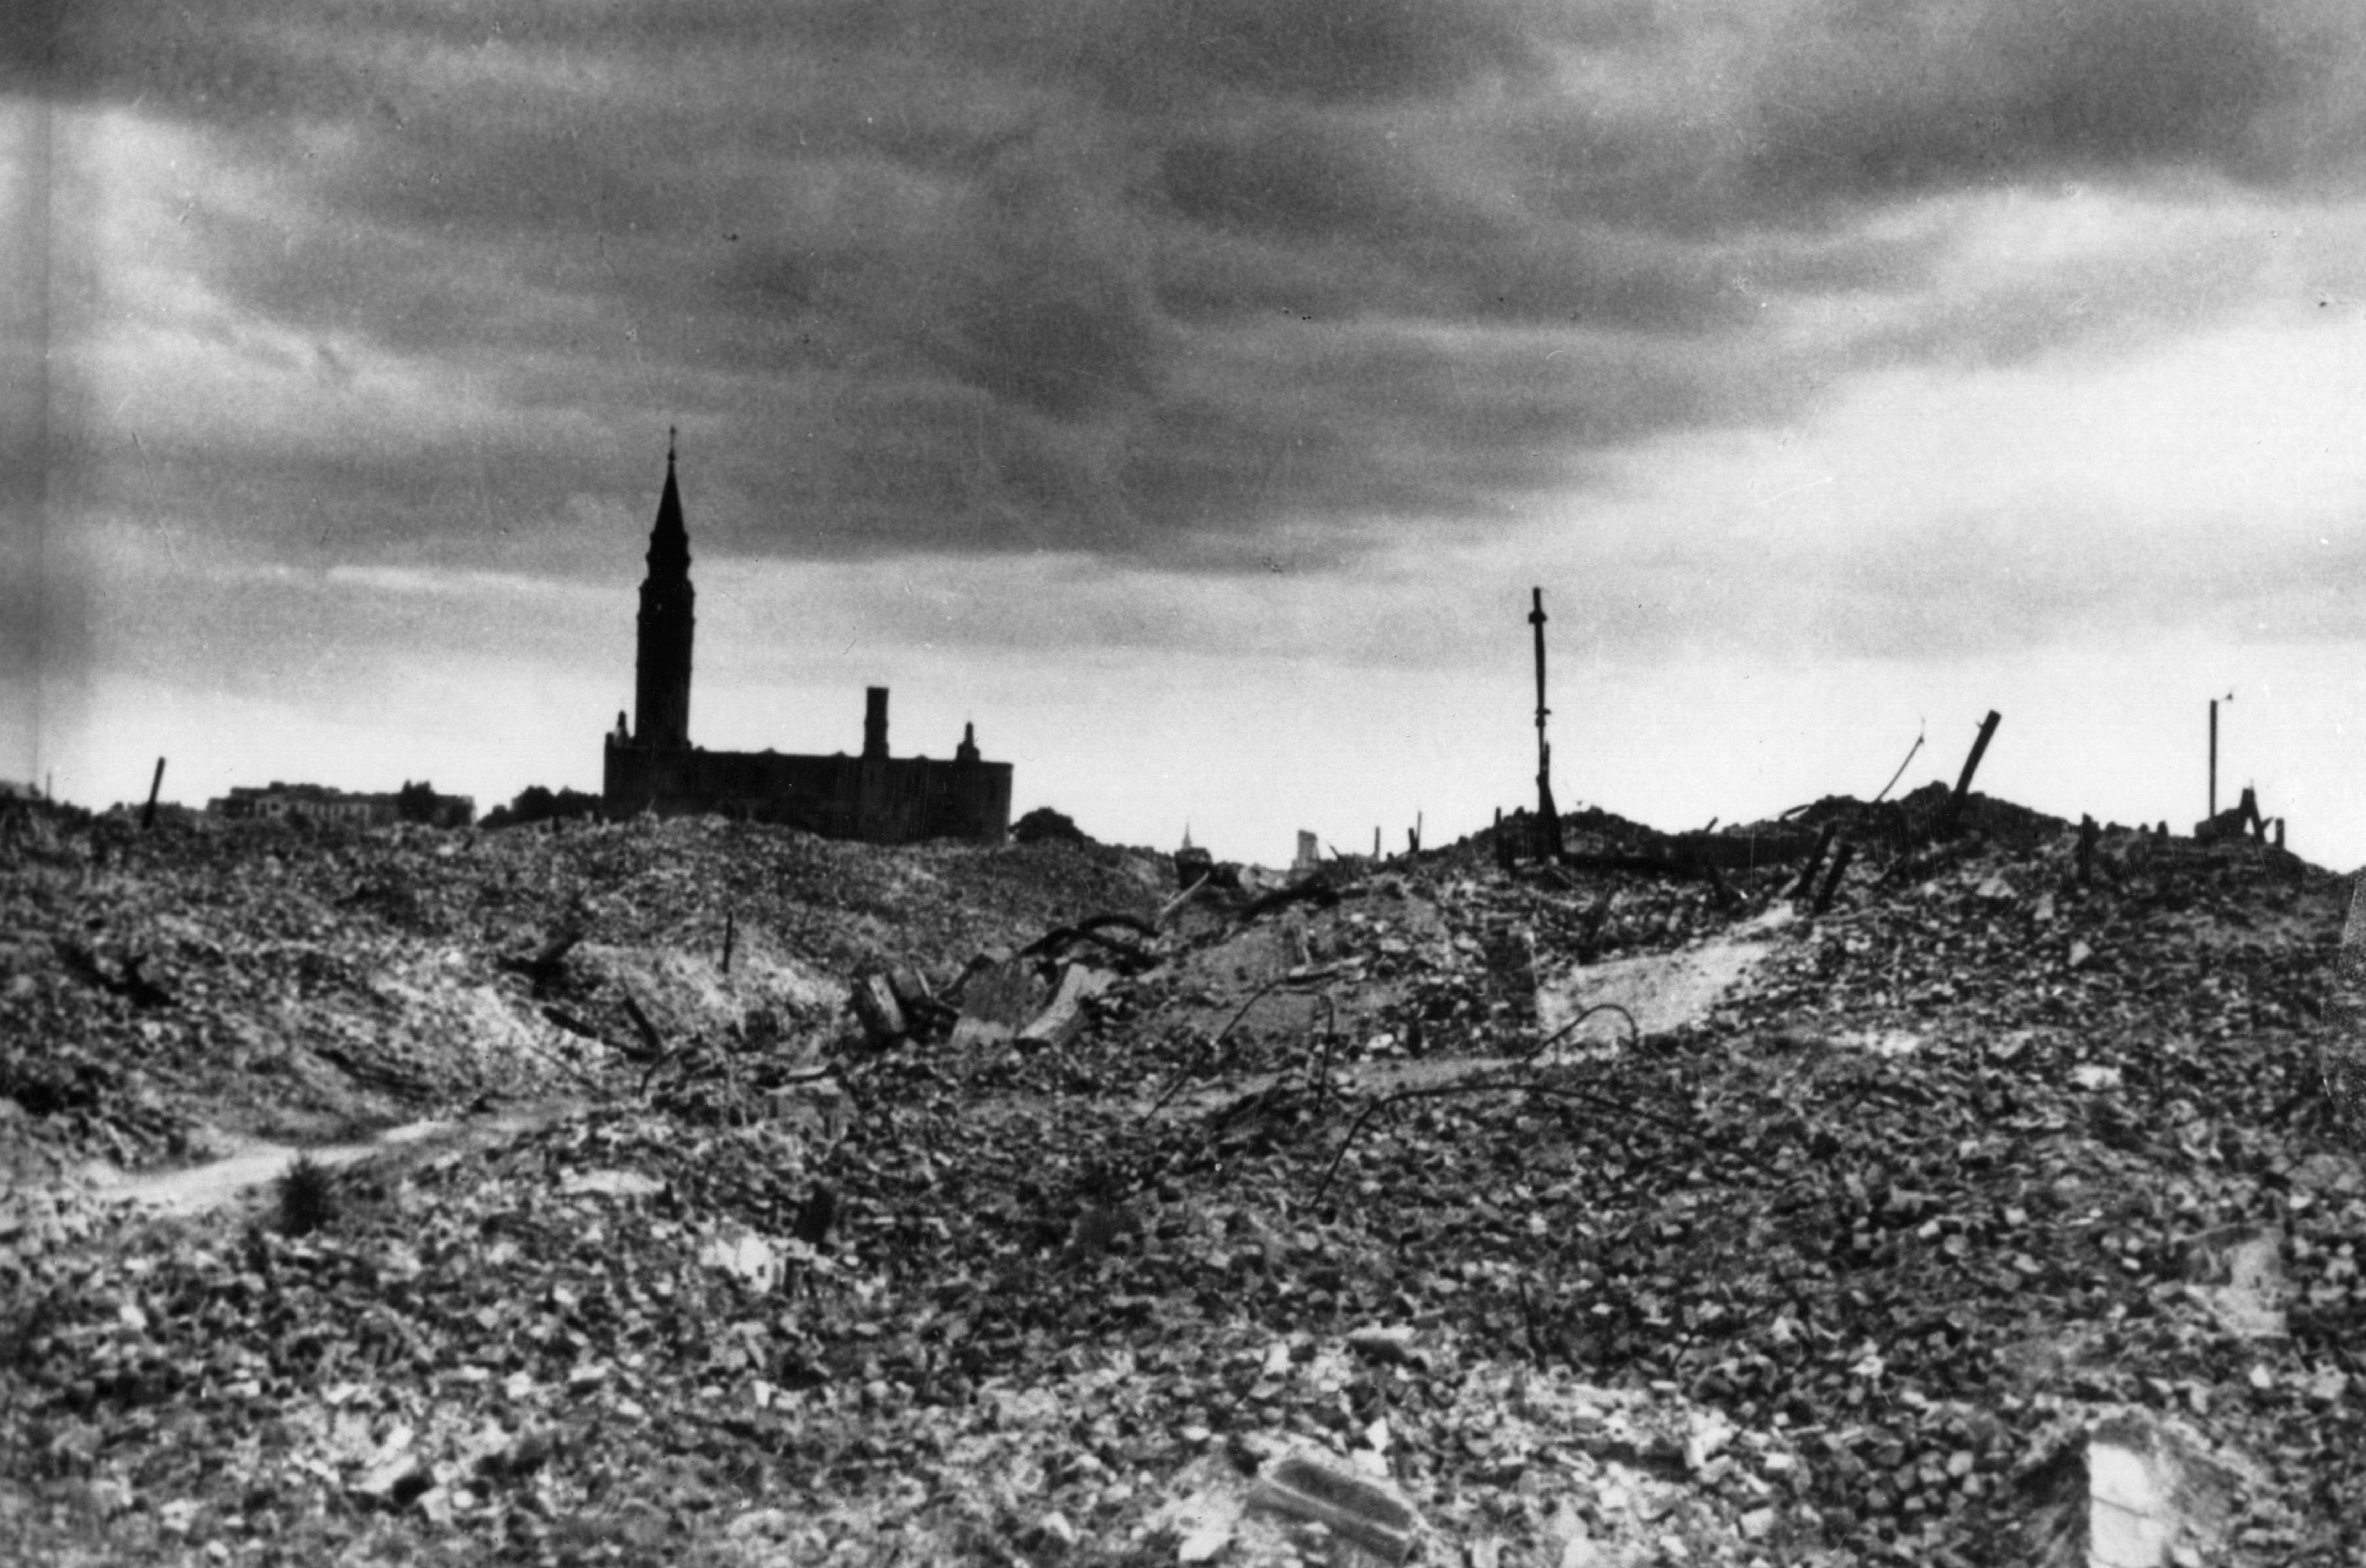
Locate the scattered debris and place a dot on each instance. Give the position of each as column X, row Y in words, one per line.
column 1997, row 1212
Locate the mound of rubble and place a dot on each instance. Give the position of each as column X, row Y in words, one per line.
column 1026, row 1205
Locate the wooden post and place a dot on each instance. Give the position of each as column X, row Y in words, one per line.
column 730, row 930
column 1839, row 869
column 1547, row 819
column 148, row 817
column 2088, row 834
column 1726, row 901
column 1971, row 766
column 1814, row 858
column 2214, row 761
column 1979, row 750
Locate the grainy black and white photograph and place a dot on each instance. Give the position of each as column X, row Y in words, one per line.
column 1083, row 782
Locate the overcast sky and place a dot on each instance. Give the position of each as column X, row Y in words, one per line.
column 1190, row 392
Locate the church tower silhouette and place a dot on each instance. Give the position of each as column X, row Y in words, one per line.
column 648, row 763
column 661, row 670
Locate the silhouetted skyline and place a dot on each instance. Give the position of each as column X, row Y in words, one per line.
column 1191, row 394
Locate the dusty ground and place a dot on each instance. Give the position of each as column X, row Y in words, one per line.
column 1932, row 1230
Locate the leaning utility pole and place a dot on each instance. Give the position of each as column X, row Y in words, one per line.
column 1547, row 819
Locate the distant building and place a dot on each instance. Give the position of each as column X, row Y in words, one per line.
column 652, row 766
column 318, row 803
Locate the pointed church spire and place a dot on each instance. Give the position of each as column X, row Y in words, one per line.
column 669, row 541
column 668, row 623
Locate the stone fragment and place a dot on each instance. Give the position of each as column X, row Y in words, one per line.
column 750, row 1258
column 972, row 1033
column 1060, row 1021
column 1001, row 990
column 875, row 1005
column 1357, row 1507
column 2238, row 1271
column 909, row 987
column 2134, row 1491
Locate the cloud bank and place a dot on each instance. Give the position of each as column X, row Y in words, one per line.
column 1204, row 285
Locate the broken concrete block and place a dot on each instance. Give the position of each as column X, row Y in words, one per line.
column 396, row 1476
column 910, row 987
column 875, row 1005
column 1066, row 1015
column 748, row 1257
column 1002, row 990
column 1202, row 1510
column 2238, row 1274
column 2136, row 1491
column 969, row 1033
column 1355, row 1507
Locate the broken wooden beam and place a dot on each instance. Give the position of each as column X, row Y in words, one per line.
column 1971, row 766
column 548, row 966
column 1841, row 859
column 1807, row 880
column 148, row 815
column 1168, row 910
column 652, row 1042
column 1364, row 1509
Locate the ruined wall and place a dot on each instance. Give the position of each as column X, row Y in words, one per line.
column 881, row 800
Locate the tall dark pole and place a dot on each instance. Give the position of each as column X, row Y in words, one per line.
column 1549, row 820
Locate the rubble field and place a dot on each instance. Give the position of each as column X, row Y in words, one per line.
column 701, row 1192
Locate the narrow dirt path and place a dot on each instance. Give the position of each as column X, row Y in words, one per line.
column 225, row 1182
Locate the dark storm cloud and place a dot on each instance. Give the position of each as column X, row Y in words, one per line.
column 1152, row 279
column 1881, row 99
column 1170, row 52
